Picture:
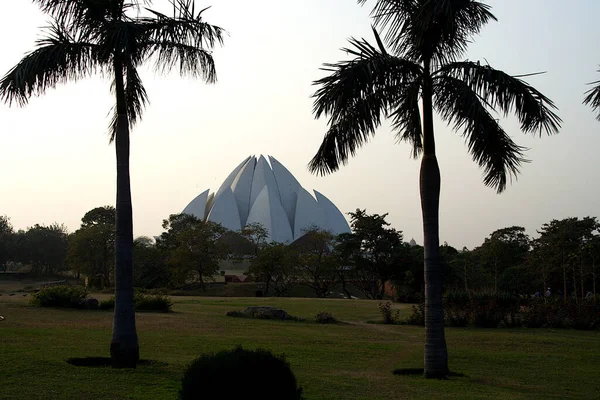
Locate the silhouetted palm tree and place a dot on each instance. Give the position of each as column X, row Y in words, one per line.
column 593, row 98
column 425, row 39
column 113, row 38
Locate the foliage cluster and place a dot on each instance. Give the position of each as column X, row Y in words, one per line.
column 489, row 310
column 143, row 302
column 323, row 317
column 257, row 374
column 60, row 296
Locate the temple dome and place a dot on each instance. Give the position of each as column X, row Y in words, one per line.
column 256, row 192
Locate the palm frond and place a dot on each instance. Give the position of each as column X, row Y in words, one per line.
column 354, row 97
column 593, row 98
column 188, row 59
column 58, row 58
column 508, row 94
column 492, row 149
column 406, row 118
column 182, row 40
column 136, row 99
column 439, row 30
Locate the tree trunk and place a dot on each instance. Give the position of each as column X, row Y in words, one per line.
column 594, row 278
column 124, row 347
column 436, row 354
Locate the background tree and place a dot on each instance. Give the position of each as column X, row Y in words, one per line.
column 316, row 262
column 374, row 252
column 151, row 270
column 194, row 248
column 114, row 38
column 46, row 248
column 6, row 239
column 563, row 243
column 425, row 39
column 256, row 234
column 505, row 248
column 275, row 266
column 91, row 247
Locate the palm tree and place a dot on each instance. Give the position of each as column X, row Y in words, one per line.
column 593, row 98
column 425, row 39
column 113, row 38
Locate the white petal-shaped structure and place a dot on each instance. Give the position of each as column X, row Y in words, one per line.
column 209, row 204
column 224, row 211
column 288, row 189
column 268, row 212
column 197, row 207
column 334, row 219
column 269, row 195
column 241, row 187
column 263, row 177
column 229, row 180
column 308, row 213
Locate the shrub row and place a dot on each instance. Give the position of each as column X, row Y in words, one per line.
column 143, row 302
column 61, row 296
column 491, row 311
column 77, row 297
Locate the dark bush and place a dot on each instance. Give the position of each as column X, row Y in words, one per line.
column 153, row 302
column 236, row 313
column 505, row 310
column 60, row 296
column 108, row 304
column 240, row 374
column 416, row 317
column 389, row 317
column 143, row 302
column 323, row 317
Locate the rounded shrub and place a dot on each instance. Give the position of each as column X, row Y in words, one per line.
column 240, row 374
column 324, row 317
column 60, row 296
column 143, row 302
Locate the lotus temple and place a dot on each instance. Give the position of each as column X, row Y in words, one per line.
column 265, row 192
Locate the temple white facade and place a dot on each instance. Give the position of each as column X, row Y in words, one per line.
column 256, row 192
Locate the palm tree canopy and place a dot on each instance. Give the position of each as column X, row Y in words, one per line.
column 378, row 83
column 85, row 37
column 592, row 98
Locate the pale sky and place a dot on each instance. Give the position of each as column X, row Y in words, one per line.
column 56, row 163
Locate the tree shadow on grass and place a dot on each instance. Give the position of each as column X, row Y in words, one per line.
column 105, row 362
column 421, row 372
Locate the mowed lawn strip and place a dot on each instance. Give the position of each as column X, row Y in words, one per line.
column 350, row 360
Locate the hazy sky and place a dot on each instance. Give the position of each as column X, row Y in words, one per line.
column 56, row 163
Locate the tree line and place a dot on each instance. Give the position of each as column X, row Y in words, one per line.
column 372, row 261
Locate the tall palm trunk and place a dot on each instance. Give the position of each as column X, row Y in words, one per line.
column 436, row 354
column 124, row 347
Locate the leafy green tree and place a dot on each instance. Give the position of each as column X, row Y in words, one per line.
column 316, row 263
column 6, row 239
column 275, row 266
column 592, row 97
column 419, row 61
column 193, row 248
column 505, row 248
column 151, row 270
column 46, row 248
column 114, row 38
column 91, row 247
column 563, row 243
column 374, row 252
column 256, row 234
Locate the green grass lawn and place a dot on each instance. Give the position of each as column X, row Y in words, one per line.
column 353, row 360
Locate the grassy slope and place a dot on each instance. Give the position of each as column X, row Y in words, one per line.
column 347, row 361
